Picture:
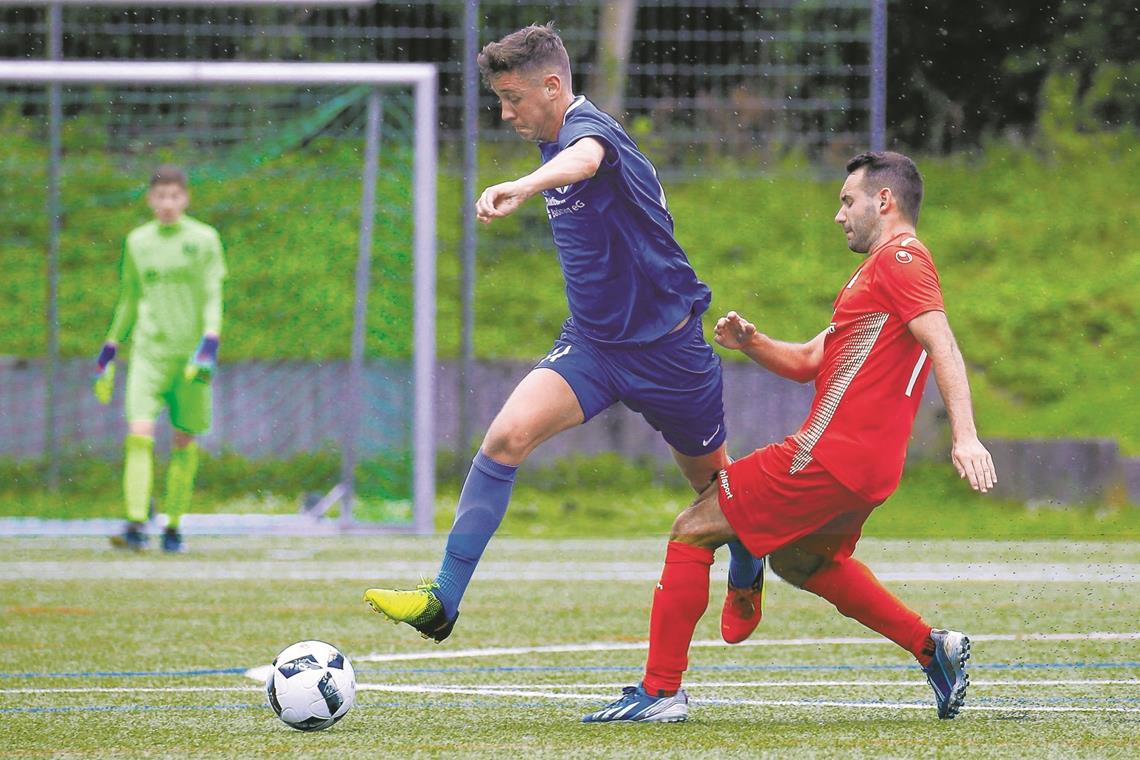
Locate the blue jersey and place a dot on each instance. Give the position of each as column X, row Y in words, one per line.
column 627, row 279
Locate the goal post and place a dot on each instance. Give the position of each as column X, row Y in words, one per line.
column 421, row 127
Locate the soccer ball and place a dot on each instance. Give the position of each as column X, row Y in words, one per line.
column 311, row 686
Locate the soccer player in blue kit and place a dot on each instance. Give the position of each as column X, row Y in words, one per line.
column 634, row 333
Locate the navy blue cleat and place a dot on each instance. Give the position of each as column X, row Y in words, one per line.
column 172, row 541
column 132, row 538
column 947, row 671
column 636, row 705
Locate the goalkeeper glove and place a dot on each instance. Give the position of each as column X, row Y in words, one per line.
column 104, row 381
column 204, row 361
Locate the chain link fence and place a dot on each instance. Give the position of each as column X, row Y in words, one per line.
column 706, row 86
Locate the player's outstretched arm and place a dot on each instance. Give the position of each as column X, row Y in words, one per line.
column 578, row 162
column 970, row 457
column 795, row 361
column 127, row 307
column 123, row 321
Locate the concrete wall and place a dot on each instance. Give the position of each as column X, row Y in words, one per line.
column 1059, row 471
column 275, row 409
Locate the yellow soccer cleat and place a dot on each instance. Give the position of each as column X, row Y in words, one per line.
column 420, row 608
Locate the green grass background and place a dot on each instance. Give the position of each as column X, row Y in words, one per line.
column 1037, row 246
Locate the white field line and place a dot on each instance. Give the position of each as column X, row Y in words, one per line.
column 517, row 689
column 895, row 706
column 133, row 690
column 499, row 692
column 617, row 646
column 802, row 684
column 193, row 570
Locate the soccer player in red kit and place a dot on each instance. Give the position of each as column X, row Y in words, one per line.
column 803, row 502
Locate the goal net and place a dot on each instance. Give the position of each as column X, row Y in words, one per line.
column 320, row 181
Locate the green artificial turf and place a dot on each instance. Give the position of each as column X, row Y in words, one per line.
column 111, row 656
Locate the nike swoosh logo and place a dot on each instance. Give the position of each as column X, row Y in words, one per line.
column 705, row 442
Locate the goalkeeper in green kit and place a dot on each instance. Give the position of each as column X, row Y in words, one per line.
column 170, row 302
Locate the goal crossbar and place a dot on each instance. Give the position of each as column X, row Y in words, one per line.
column 214, row 72
column 422, row 78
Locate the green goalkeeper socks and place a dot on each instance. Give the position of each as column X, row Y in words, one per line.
column 180, row 482
column 138, row 476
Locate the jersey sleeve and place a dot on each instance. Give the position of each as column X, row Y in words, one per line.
column 908, row 283
column 213, row 277
column 587, row 126
column 126, row 310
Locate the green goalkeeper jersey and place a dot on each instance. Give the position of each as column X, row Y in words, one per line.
column 171, row 288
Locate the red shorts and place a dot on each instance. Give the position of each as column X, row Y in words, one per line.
column 770, row 509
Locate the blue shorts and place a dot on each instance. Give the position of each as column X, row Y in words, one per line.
column 675, row 383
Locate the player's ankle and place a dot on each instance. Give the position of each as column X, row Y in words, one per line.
column 656, row 690
column 925, row 655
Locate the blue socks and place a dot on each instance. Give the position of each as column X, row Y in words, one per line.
column 742, row 567
column 482, row 504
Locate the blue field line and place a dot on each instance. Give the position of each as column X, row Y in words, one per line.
column 130, row 673
column 979, row 668
column 433, row 703
column 997, row 701
column 123, row 708
column 736, row 668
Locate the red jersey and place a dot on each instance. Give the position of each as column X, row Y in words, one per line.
column 873, row 371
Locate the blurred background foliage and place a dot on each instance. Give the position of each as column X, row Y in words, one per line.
column 961, row 72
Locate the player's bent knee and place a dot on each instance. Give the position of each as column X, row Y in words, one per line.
column 702, row 524
column 795, row 566
column 509, row 444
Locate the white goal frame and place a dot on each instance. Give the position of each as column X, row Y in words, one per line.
column 423, row 79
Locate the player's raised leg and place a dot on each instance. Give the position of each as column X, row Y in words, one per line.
column 857, row 593
column 680, row 599
column 541, row 406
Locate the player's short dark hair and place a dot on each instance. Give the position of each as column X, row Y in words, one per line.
column 169, row 174
column 529, row 50
column 893, row 170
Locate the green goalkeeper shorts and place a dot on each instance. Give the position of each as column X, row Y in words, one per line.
column 153, row 384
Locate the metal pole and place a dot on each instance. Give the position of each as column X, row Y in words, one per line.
column 467, row 276
column 878, row 74
column 55, row 156
column 360, row 308
column 423, row 191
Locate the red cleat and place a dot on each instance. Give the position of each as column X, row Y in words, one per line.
column 743, row 608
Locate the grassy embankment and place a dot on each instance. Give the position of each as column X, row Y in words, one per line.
column 1036, row 248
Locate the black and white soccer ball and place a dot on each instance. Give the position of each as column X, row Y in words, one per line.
column 311, row 686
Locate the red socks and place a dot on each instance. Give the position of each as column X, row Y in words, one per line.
column 682, row 596
column 853, row 589
column 678, row 603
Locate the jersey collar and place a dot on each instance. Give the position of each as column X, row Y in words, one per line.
column 578, row 100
